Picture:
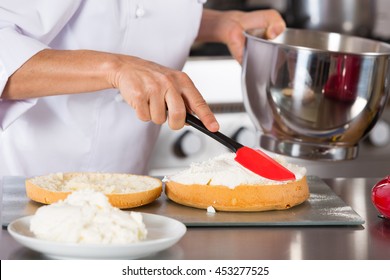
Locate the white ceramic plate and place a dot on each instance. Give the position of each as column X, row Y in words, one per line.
column 163, row 232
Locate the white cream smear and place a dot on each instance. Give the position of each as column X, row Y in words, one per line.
column 101, row 182
column 87, row 217
column 224, row 170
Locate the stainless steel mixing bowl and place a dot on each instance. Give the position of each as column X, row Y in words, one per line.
column 312, row 94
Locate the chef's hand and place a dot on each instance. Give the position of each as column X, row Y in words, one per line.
column 155, row 91
column 228, row 27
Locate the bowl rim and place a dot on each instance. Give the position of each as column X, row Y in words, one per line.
column 248, row 34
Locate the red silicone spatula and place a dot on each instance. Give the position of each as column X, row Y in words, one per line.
column 254, row 160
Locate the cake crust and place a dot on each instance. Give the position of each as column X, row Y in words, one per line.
column 241, row 198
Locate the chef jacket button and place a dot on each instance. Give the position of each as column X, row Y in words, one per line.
column 202, row 1
column 119, row 98
column 139, row 12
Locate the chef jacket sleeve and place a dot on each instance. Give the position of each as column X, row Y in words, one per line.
column 25, row 29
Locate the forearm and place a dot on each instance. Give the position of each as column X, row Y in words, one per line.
column 54, row 72
column 149, row 88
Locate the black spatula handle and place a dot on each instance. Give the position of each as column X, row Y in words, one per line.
column 221, row 138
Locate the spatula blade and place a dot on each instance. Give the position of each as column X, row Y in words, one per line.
column 262, row 164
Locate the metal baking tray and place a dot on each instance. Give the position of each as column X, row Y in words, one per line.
column 323, row 208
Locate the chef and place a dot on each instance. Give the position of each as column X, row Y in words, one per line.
column 85, row 85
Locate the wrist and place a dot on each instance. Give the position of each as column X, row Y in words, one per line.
column 217, row 25
column 110, row 69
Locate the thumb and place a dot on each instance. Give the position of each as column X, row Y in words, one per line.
column 274, row 30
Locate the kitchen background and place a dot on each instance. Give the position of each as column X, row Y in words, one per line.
column 218, row 77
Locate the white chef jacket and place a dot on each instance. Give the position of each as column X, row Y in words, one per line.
column 87, row 131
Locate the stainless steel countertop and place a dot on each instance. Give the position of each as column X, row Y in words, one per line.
column 369, row 241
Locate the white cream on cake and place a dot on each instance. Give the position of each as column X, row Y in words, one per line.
column 103, row 182
column 224, row 170
column 87, row 217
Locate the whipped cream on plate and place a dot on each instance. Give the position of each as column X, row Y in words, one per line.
column 224, row 170
column 86, row 216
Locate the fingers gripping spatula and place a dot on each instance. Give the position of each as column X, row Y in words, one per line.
column 254, row 160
